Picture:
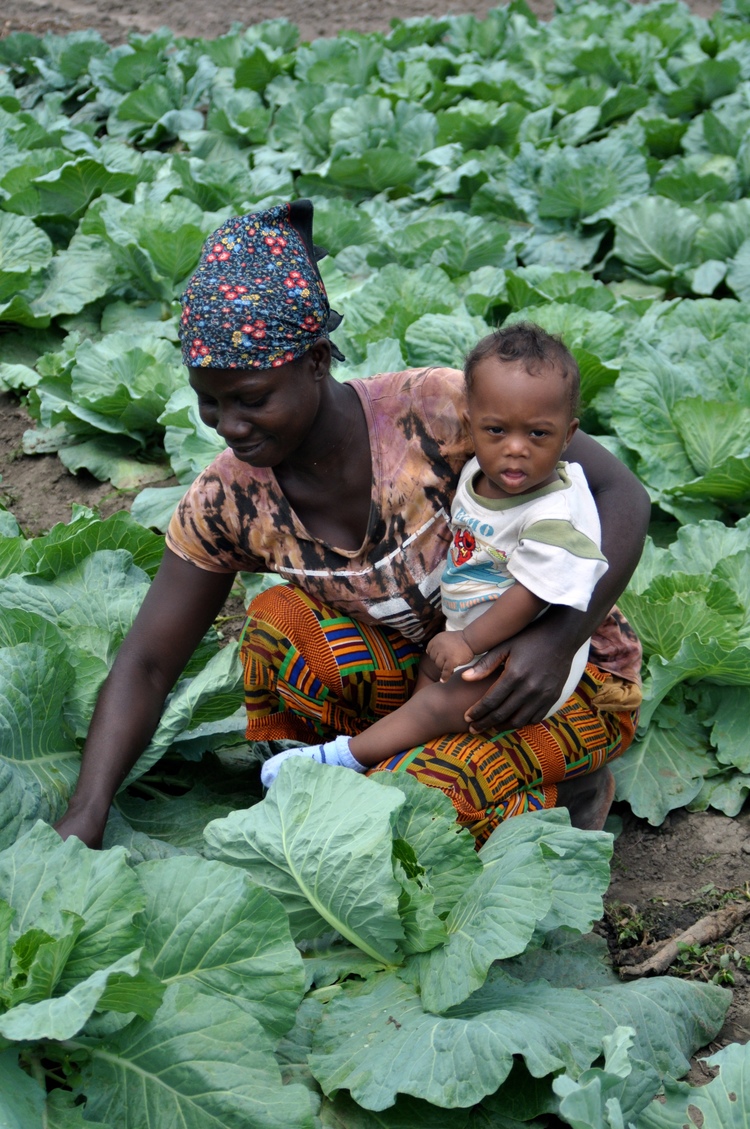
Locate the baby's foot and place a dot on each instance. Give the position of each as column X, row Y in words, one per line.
column 332, row 752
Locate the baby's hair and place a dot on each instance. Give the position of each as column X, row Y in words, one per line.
column 532, row 345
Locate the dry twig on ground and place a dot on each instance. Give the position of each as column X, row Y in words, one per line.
column 705, row 931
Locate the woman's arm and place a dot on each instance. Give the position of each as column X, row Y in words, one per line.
column 537, row 660
column 180, row 606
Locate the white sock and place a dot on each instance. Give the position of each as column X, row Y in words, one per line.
column 332, row 752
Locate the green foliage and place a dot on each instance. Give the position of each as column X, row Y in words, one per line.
column 68, row 600
column 168, row 984
column 590, row 173
column 719, row 1102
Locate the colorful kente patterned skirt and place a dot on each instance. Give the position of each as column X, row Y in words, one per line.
column 311, row 673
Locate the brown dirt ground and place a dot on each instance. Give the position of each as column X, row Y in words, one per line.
column 327, row 17
column 663, row 879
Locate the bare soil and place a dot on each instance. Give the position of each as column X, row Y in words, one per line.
column 115, row 20
column 663, row 879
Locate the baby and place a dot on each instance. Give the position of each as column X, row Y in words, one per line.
column 525, row 535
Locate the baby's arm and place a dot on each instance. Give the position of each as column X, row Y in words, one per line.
column 505, row 616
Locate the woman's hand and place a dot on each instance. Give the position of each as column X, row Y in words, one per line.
column 536, row 665
column 87, row 827
column 448, row 649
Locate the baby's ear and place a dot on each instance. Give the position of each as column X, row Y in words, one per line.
column 572, row 428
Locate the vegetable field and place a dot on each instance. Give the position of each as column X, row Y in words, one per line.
column 337, row 955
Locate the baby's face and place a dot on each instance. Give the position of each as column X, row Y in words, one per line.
column 520, row 424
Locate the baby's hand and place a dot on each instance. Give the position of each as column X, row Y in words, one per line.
column 449, row 650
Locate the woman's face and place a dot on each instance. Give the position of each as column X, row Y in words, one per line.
column 264, row 415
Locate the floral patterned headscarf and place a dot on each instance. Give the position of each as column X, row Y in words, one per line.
column 256, row 299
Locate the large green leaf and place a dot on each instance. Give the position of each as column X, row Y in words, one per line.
column 578, row 864
column 23, row 245
column 40, row 875
column 154, row 506
column 671, row 1018
column 76, row 276
column 427, row 822
column 728, row 483
column 211, row 696
column 40, row 758
column 727, row 709
column 68, row 544
column 375, row 170
column 646, row 392
column 722, row 1103
column 712, row 431
column 678, row 605
column 443, row 339
column 494, row 919
column 664, row 769
column 388, row 303
column 109, row 458
column 655, row 236
column 117, row 386
column 203, row 1062
column 21, row 1097
column 321, row 841
column 155, row 243
column 68, row 190
column 729, row 666
column 376, row 1041
column 590, row 182
column 64, row 1016
column 93, row 604
column 206, row 923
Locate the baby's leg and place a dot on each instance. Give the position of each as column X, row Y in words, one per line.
column 437, row 708
column 427, row 673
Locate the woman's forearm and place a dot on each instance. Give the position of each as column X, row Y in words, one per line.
column 624, row 512
column 126, row 715
column 179, row 608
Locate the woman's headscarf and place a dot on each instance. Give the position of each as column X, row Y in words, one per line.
column 256, row 299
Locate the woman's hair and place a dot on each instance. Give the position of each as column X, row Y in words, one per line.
column 534, row 347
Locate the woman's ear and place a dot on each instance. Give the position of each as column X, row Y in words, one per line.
column 319, row 355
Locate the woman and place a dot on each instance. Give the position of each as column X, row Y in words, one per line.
column 344, row 490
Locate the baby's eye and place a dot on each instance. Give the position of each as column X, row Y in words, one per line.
column 538, row 433
column 495, row 430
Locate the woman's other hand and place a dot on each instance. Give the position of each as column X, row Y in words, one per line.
column 89, row 828
column 534, row 666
